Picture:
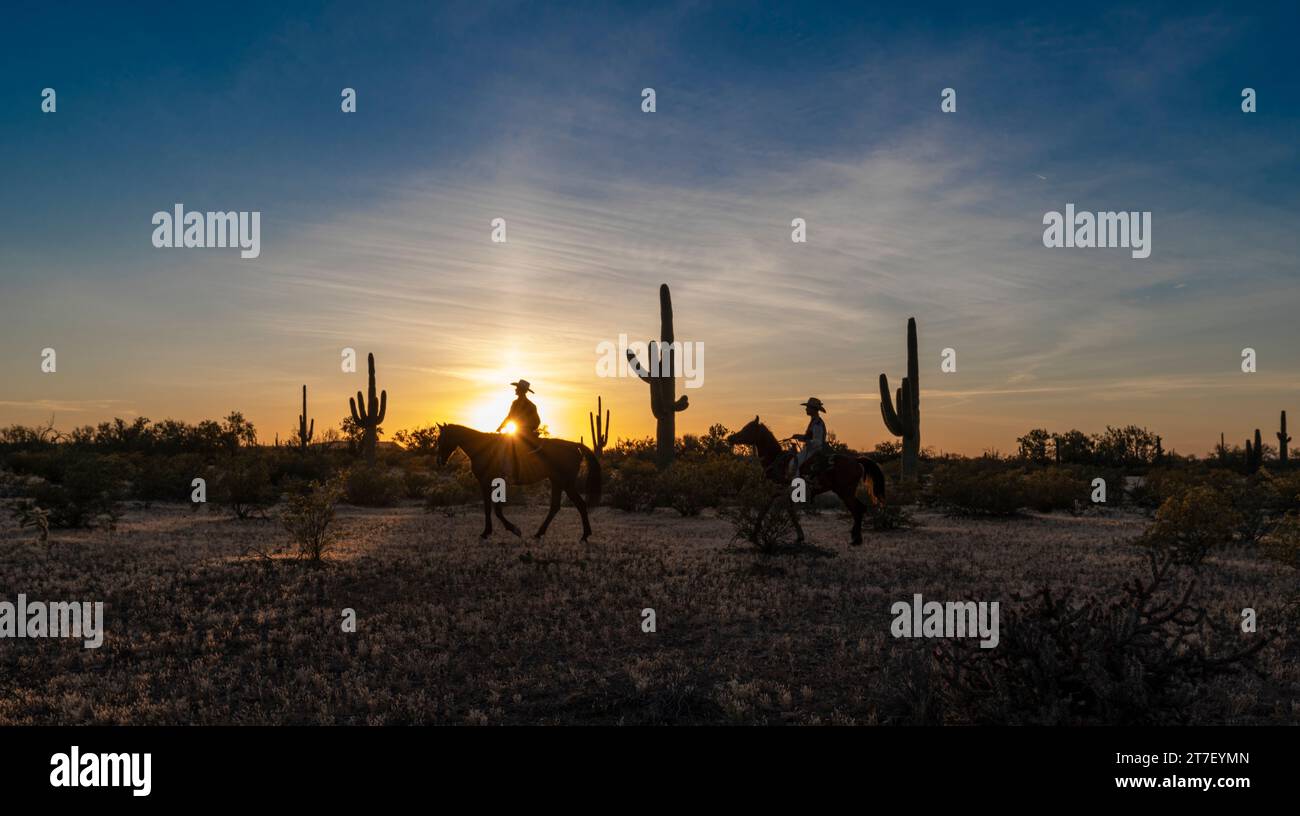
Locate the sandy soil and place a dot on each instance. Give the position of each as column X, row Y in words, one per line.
column 454, row 630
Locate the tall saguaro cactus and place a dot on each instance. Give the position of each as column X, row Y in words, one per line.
column 903, row 415
column 1282, row 441
column 599, row 433
column 369, row 414
column 305, row 431
column 1254, row 455
column 660, row 378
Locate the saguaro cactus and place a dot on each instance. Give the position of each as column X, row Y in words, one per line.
column 305, row 431
column 599, row 433
column 903, row 417
column 660, row 378
column 1282, row 441
column 1255, row 454
column 369, row 414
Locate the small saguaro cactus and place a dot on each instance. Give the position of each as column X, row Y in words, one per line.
column 903, row 416
column 368, row 414
column 599, row 433
column 1254, row 454
column 1282, row 441
column 660, row 378
column 305, row 431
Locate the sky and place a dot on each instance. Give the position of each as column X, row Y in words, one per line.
column 376, row 225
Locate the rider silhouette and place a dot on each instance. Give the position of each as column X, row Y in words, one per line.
column 813, row 439
column 524, row 414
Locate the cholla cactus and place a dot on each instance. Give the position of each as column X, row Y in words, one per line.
column 368, row 414
column 660, row 378
column 903, row 417
column 304, row 430
column 599, row 433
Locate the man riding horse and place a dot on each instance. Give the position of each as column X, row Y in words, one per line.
column 523, row 413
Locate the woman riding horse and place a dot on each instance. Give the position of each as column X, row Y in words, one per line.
column 842, row 475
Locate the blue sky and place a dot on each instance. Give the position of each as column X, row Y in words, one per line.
column 375, row 224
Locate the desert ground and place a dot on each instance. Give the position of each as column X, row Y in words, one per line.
column 211, row 621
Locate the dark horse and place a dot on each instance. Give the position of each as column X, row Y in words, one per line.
column 555, row 459
column 842, row 477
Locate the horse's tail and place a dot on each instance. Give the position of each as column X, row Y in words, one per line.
column 872, row 471
column 593, row 476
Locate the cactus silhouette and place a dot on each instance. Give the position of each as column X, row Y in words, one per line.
column 1255, row 454
column 304, row 430
column 368, row 414
column 903, row 417
column 663, row 387
column 599, row 434
column 1282, row 441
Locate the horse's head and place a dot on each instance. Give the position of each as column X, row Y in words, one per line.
column 447, row 444
column 750, row 434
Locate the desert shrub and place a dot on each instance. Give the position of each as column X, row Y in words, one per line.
column 31, row 517
column 308, row 516
column 1282, row 542
column 373, row 486
column 416, row 483
column 166, row 478
column 768, row 532
column 90, row 493
column 687, row 487
column 886, row 517
column 1138, row 657
column 449, row 492
column 242, row 484
column 900, row 493
column 1187, row 527
column 977, row 490
column 633, row 487
column 1049, row 489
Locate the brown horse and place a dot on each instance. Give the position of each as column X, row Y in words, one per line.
column 555, row 459
column 842, row 477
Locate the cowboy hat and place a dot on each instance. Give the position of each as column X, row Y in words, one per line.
column 524, row 384
column 814, row 404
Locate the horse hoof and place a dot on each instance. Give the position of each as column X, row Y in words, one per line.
column 484, row 537
column 517, row 532
column 857, row 542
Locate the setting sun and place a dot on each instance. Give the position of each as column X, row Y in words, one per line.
column 510, row 427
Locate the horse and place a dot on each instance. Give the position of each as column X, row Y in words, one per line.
column 555, row 459
column 843, row 476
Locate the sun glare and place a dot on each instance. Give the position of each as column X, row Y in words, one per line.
column 510, row 428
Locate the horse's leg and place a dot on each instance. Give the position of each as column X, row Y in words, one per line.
column 555, row 508
column 762, row 514
column 794, row 518
column 511, row 526
column 855, row 507
column 576, row 497
column 487, row 513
